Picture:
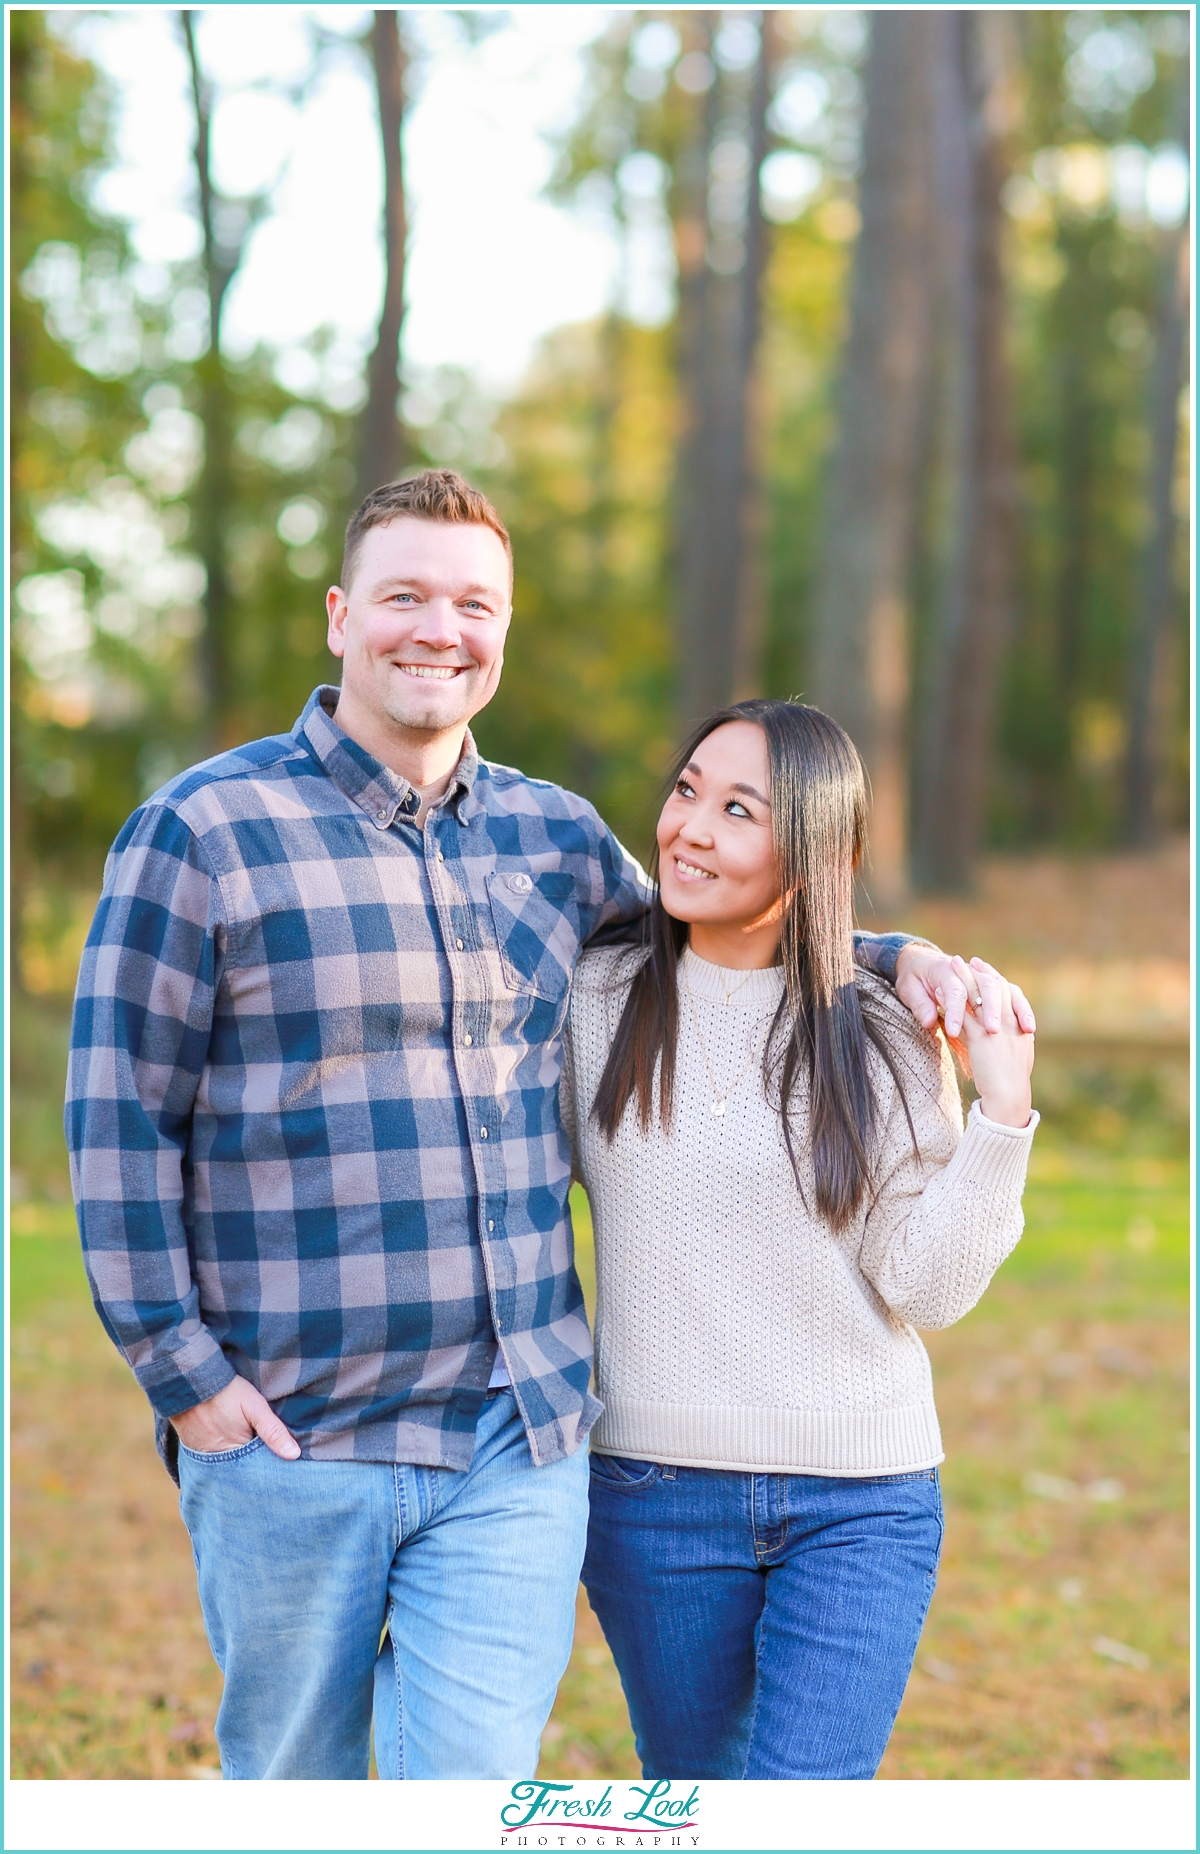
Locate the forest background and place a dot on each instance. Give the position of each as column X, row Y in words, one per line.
column 887, row 408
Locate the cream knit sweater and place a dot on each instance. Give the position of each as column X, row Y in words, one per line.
column 735, row 1328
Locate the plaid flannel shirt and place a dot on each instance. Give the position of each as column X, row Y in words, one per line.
column 313, row 1095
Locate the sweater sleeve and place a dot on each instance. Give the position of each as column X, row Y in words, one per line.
column 942, row 1223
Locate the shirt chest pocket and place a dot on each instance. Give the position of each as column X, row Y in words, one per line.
column 536, row 919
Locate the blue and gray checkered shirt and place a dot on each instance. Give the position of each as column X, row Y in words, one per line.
column 313, row 1094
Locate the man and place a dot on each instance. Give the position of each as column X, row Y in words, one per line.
column 322, row 1185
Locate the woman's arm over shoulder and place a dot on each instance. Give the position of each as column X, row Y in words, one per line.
column 945, row 1216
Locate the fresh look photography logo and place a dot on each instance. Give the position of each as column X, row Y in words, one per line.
column 611, row 1815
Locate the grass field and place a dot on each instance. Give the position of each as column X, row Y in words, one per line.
column 1057, row 1641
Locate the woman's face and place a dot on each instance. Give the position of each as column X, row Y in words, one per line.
column 716, row 858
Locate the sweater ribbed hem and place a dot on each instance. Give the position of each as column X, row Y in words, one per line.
column 752, row 1438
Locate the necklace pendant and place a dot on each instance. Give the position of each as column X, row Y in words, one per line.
column 718, row 1107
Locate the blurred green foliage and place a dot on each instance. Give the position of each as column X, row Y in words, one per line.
column 1083, row 298
column 107, row 443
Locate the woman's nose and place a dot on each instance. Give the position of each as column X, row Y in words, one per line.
column 696, row 829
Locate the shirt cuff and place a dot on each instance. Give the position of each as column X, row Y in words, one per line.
column 185, row 1375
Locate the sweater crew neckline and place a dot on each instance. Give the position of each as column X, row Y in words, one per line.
column 729, row 985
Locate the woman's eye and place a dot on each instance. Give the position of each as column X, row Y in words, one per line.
column 737, row 809
column 684, row 789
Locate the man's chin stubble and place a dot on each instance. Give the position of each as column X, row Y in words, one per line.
column 429, row 720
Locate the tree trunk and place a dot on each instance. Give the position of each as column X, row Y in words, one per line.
column 381, row 448
column 699, row 682
column 861, row 612
column 978, row 462
column 1147, row 675
column 750, row 610
column 214, row 493
column 721, row 245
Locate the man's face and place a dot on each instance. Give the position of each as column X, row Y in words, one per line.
column 421, row 628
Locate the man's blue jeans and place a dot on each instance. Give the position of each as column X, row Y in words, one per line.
column 764, row 1625
column 301, row 1564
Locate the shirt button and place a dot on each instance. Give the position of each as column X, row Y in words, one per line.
column 483, row 1132
column 440, row 857
column 381, row 815
column 468, row 1039
column 491, row 1223
column 459, row 945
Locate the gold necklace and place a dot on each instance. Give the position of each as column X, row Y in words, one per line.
column 719, row 1099
column 720, row 970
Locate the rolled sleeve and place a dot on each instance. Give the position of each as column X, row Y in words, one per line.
column 140, row 1036
column 878, row 952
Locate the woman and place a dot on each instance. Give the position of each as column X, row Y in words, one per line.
column 782, row 1190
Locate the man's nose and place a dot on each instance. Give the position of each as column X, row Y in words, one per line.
column 438, row 625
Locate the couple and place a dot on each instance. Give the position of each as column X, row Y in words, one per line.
column 323, row 1101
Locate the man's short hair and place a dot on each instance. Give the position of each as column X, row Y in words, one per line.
column 433, row 495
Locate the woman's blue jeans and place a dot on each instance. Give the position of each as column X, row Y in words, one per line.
column 764, row 1625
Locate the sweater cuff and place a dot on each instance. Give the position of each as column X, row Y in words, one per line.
column 993, row 1156
column 997, row 1126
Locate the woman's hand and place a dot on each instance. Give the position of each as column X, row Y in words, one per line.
column 1001, row 1061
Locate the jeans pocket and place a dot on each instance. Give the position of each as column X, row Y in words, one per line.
column 620, row 1471
column 205, row 1456
column 915, row 1499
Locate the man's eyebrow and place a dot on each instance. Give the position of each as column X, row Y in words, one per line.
column 395, row 582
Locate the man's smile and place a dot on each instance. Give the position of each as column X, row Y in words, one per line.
column 435, row 672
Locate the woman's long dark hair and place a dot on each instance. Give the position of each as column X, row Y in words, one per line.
column 818, row 825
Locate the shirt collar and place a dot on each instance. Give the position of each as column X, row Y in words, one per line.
column 378, row 791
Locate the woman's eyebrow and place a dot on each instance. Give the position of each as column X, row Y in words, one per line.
column 750, row 792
